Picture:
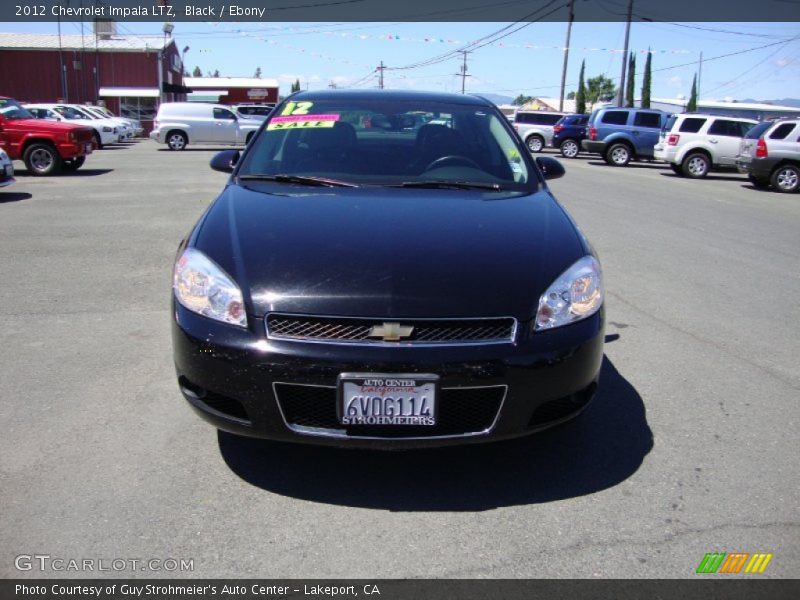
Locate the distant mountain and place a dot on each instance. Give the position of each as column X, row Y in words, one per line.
column 782, row 102
column 497, row 98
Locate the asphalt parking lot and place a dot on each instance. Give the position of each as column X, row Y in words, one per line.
column 690, row 446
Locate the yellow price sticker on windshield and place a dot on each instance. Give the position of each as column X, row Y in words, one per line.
column 296, row 108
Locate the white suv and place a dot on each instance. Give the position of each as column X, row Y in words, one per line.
column 179, row 123
column 536, row 127
column 693, row 144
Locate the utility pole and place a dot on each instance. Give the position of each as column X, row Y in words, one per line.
column 380, row 75
column 699, row 75
column 566, row 54
column 621, row 89
column 463, row 72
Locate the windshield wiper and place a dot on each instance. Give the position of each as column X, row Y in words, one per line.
column 455, row 185
column 299, row 179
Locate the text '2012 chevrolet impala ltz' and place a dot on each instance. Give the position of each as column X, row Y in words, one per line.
column 386, row 269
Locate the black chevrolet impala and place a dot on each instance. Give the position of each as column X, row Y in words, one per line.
column 386, row 269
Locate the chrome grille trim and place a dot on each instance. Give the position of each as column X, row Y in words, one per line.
column 326, row 329
column 339, row 434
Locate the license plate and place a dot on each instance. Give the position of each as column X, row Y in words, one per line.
column 387, row 399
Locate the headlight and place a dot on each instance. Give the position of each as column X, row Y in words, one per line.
column 203, row 287
column 107, row 129
column 575, row 295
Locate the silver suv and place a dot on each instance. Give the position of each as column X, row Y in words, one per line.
column 770, row 155
column 536, row 127
column 693, row 144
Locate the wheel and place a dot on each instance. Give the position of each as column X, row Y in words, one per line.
column 758, row 182
column 618, row 155
column 97, row 141
column 535, row 143
column 677, row 169
column 696, row 165
column 786, row 179
column 569, row 148
column 176, row 140
column 74, row 164
column 41, row 159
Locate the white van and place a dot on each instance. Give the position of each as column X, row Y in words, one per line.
column 180, row 123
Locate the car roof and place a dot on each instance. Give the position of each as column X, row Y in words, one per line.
column 464, row 99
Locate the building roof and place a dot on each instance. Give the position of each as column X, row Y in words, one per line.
column 549, row 104
column 115, row 43
column 728, row 104
column 221, row 83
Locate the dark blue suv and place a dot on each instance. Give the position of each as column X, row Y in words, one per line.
column 568, row 134
column 621, row 135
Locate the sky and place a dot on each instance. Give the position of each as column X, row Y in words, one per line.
column 528, row 61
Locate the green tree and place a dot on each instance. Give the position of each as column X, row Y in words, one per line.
column 296, row 86
column 600, row 88
column 580, row 97
column 216, row 73
column 647, row 80
column 197, row 72
column 571, row 96
column 257, row 74
column 520, row 100
column 692, row 105
column 629, row 99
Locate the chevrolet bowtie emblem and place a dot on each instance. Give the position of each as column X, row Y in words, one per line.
column 391, row 332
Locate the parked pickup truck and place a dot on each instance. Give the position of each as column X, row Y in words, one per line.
column 46, row 147
column 181, row 123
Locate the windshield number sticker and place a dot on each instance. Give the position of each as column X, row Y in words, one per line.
column 296, row 108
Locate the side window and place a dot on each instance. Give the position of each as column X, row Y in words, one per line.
column 615, row 117
column 781, row 131
column 647, row 119
column 692, row 125
column 221, row 113
column 725, row 127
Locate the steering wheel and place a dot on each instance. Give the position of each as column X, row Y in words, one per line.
column 453, row 158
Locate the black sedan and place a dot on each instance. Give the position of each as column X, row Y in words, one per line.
column 386, row 269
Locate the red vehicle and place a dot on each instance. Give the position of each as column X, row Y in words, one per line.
column 46, row 147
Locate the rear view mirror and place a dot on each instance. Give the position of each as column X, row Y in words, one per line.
column 551, row 168
column 225, row 161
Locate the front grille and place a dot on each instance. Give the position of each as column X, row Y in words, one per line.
column 461, row 411
column 424, row 331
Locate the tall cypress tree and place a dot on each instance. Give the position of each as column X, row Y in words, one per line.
column 692, row 105
column 580, row 97
column 631, row 79
column 646, row 82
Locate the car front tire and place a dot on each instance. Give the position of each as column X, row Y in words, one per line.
column 41, row 160
column 177, row 140
column 535, row 143
column 74, row 164
column 569, row 148
column 618, row 155
column 696, row 165
column 786, row 179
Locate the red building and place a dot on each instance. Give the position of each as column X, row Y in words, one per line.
column 127, row 73
column 232, row 90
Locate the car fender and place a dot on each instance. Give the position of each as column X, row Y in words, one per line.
column 613, row 138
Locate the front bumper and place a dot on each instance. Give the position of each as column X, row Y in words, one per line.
column 69, row 150
column 241, row 382
column 593, row 146
column 157, row 135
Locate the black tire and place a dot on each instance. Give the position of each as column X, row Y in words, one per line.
column 696, row 165
column 569, row 148
column 535, row 143
column 677, row 169
column 42, row 159
column 758, row 182
column 73, row 164
column 177, row 140
column 786, row 179
column 618, row 155
column 97, row 141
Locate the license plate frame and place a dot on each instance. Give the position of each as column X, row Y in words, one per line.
column 426, row 390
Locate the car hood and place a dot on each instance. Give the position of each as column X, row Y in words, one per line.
column 43, row 125
column 387, row 252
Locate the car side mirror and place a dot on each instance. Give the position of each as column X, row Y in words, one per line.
column 225, row 161
column 551, row 168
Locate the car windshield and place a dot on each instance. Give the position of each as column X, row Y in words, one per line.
column 12, row 110
column 406, row 142
column 69, row 113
